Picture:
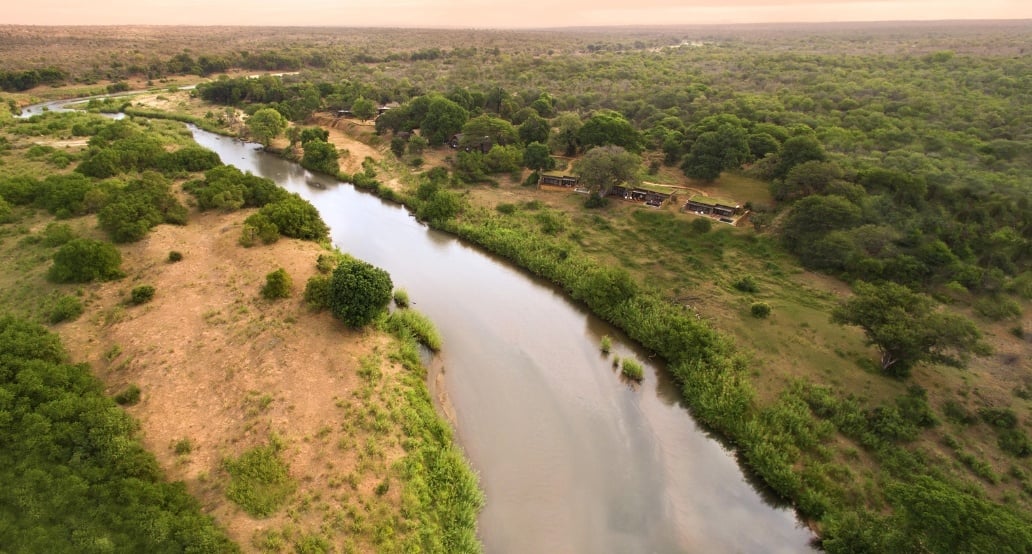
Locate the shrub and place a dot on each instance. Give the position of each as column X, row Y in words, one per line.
column 259, row 482
column 1015, row 442
column 258, row 227
column 317, row 292
column 760, row 310
column 746, row 284
column 506, row 208
column 359, row 292
column 6, row 212
column 326, row 262
column 997, row 307
column 57, row 234
column 85, row 260
column 701, row 225
column 65, row 308
column 607, row 344
column 141, row 294
column 130, row 396
column 296, row 217
column 401, row 298
column 632, row 370
column 182, row 447
column 174, row 256
column 277, row 284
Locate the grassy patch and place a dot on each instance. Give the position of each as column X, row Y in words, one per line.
column 259, row 480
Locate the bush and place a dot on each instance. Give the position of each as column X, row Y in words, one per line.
column 317, row 292
column 997, row 307
column 259, row 481
column 130, row 396
column 701, row 225
column 632, row 370
column 746, row 284
column 85, row 260
column 760, row 310
column 258, row 227
column 506, row 208
column 401, row 298
column 174, row 256
column 277, row 285
column 296, row 217
column 57, row 234
column 607, row 344
column 65, row 308
column 326, row 262
column 141, row 294
column 359, row 292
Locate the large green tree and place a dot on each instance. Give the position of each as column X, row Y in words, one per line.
column 609, row 127
column 490, row 129
column 721, row 142
column 266, row 124
column 604, row 167
column 907, row 329
column 363, row 108
column 321, row 156
column 443, row 119
column 359, row 292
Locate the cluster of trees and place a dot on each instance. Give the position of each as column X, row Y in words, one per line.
column 281, row 213
column 16, row 81
column 76, row 479
column 936, row 176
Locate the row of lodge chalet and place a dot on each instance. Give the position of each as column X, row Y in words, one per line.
column 379, row 111
column 654, row 196
column 650, row 196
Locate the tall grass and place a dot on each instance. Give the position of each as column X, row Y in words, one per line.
column 416, row 324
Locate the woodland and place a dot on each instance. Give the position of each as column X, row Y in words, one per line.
column 886, row 170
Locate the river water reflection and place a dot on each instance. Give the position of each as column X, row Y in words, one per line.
column 572, row 458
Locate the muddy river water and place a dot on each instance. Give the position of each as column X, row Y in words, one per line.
column 571, row 456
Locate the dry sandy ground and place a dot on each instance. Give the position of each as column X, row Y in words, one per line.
column 222, row 367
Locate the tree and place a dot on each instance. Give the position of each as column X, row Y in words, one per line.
column 814, row 217
column 321, row 156
column 266, row 124
column 85, row 260
column 907, row 329
column 606, row 166
column 486, row 126
column 443, row 119
column 296, row 217
column 796, row 150
column 721, row 143
column 534, row 129
column 363, row 109
column 359, row 292
column 566, row 139
column 609, row 127
column 537, row 157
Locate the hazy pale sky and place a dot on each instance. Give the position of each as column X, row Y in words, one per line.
column 491, row 14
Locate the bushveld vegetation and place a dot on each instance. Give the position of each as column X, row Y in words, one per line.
column 76, row 478
column 886, row 177
column 893, row 155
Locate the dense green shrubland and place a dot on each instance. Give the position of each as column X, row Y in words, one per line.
column 76, row 478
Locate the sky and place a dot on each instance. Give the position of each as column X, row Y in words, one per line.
column 494, row 14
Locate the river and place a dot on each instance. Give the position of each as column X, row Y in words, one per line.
column 571, row 456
